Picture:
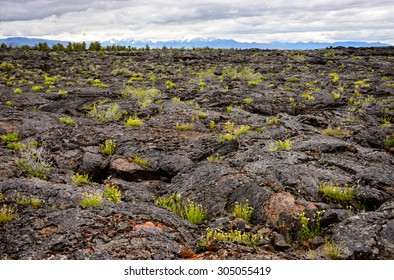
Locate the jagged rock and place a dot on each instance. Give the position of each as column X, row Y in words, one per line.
column 368, row 235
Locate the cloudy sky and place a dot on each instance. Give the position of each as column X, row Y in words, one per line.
column 242, row 20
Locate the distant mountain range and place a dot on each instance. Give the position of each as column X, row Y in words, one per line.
column 201, row 43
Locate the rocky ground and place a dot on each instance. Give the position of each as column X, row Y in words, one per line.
column 207, row 125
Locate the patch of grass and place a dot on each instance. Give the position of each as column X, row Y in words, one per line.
column 335, row 95
column 337, row 131
column 112, row 193
column 334, row 76
column 144, row 97
column 389, row 142
column 34, row 161
column 81, row 178
column 330, row 54
column 17, row 146
column 62, row 92
column 170, row 85
column 17, row 91
column 6, row 67
column 248, row 100
column 184, row 126
column 7, row 214
column 386, row 122
column 233, row 236
column 134, row 121
column 176, row 99
column 37, row 88
column 9, row 137
column 233, row 132
column 294, row 80
column 91, row 199
column 229, row 109
column 281, row 145
column 332, row 250
column 96, row 83
column 102, row 114
column 108, row 148
column 212, row 125
column 141, row 161
column 336, row 194
column 272, row 121
column 29, row 201
column 194, row 213
column 215, row 158
column 310, row 228
column 67, row 121
column 242, row 210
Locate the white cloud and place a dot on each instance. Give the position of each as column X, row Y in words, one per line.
column 246, row 20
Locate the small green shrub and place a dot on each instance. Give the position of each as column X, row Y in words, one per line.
column 233, row 236
column 194, row 213
column 187, row 126
column 215, row 158
column 389, row 142
column 337, row 131
column 212, row 124
column 108, row 148
column 337, row 194
column 17, row 91
column 310, row 228
column 6, row 67
column 170, row 84
column 332, row 250
column 112, row 193
column 37, row 88
column 30, row 201
column 10, row 137
column 134, row 121
column 229, row 109
column 233, row 132
column 272, row 121
column 81, row 178
column 34, row 161
column 334, row 76
column 102, row 114
column 18, row 146
column 248, row 100
column 7, row 214
column 67, row 121
column 91, row 199
column 242, row 210
column 335, row 95
column 141, row 161
column 176, row 99
column 281, row 145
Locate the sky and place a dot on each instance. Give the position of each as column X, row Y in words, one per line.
column 260, row 21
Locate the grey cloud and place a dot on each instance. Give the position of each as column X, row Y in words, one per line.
column 166, row 19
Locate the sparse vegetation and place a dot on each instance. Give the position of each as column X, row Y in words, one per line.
column 29, row 201
column 194, row 213
column 10, row 137
column 108, row 148
column 112, row 193
column 242, row 210
column 81, row 178
column 281, row 145
column 105, row 114
column 186, row 126
column 7, row 214
column 215, row 158
column 310, row 228
column 67, row 121
column 134, row 121
column 337, row 194
column 232, row 236
column 141, row 161
column 91, row 199
column 332, row 250
column 337, row 131
column 271, row 121
column 35, row 162
column 389, row 142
